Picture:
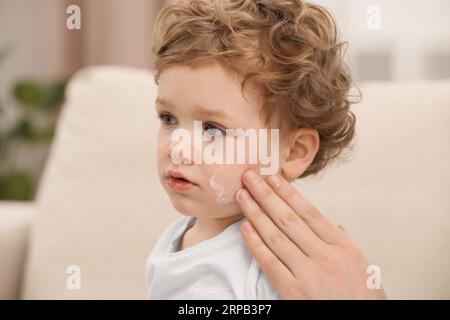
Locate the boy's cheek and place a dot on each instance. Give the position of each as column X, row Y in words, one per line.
column 226, row 180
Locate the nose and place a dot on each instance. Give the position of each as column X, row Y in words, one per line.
column 177, row 153
column 186, row 144
column 180, row 152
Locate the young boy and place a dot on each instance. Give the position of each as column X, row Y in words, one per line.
column 249, row 64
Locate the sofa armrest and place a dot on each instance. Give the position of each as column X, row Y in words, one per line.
column 15, row 218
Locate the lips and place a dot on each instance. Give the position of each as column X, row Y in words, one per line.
column 177, row 181
column 177, row 175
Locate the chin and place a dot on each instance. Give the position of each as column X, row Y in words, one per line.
column 186, row 206
column 190, row 207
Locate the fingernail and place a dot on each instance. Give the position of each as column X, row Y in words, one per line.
column 243, row 195
column 274, row 181
column 251, row 176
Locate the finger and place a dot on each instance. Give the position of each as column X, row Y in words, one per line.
column 284, row 217
column 276, row 271
column 320, row 224
column 342, row 228
column 274, row 238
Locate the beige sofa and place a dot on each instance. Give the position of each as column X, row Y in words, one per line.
column 100, row 206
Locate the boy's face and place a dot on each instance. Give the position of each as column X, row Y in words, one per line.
column 208, row 94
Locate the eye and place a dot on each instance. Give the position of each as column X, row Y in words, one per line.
column 167, row 119
column 213, row 130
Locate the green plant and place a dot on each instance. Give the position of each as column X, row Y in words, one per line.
column 38, row 105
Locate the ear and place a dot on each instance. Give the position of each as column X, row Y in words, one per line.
column 299, row 152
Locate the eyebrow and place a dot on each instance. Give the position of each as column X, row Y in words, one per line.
column 201, row 109
column 162, row 101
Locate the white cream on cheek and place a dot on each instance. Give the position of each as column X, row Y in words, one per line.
column 227, row 181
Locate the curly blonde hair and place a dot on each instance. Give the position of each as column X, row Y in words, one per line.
column 290, row 48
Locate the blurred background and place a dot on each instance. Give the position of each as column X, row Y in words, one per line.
column 38, row 53
column 389, row 41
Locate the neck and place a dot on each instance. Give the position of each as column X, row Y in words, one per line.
column 206, row 228
column 213, row 226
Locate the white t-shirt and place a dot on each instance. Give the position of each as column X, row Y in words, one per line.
column 218, row 268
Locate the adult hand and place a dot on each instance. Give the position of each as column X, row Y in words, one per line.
column 302, row 253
